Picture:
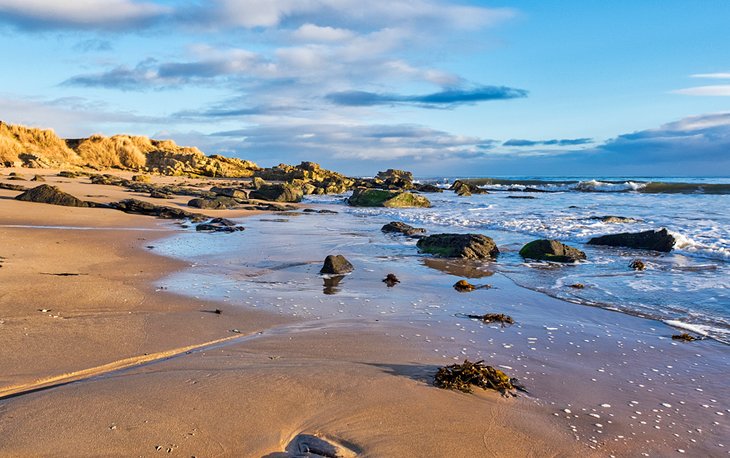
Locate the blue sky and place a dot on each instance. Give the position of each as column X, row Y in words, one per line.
column 434, row 86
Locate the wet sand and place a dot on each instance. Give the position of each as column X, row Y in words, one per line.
column 81, row 292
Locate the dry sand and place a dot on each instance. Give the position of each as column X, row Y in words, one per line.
column 247, row 397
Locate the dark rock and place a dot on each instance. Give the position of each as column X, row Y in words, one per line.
column 390, row 280
column 155, row 194
column 521, row 197
column 402, row 228
column 364, row 197
column 323, row 211
column 427, row 188
column 140, row 207
column 551, row 250
column 684, row 337
column 637, row 264
column 660, row 240
column 48, row 194
column 464, row 286
column 13, row 187
column 219, row 225
column 278, row 193
column 68, row 174
column 464, row 189
column 230, row 192
column 217, row 203
column 38, row 178
column 336, row 265
column 577, row 285
column 468, row 246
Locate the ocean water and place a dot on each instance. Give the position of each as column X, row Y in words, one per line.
column 687, row 288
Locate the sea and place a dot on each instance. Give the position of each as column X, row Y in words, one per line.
column 688, row 288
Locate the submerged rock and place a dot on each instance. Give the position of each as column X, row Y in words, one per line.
column 468, row 246
column 660, row 240
column 364, row 197
column 551, row 250
column 219, row 225
column 48, row 194
column 402, row 228
column 615, row 219
column 336, row 265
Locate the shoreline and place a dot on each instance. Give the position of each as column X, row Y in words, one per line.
column 354, row 381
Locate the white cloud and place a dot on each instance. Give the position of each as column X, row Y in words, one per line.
column 717, row 90
column 78, row 13
column 720, row 76
column 315, row 33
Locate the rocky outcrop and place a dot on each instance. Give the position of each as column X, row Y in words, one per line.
column 278, row 193
column 403, row 228
column 551, row 250
column 364, row 197
column 336, row 265
column 309, row 177
column 394, row 179
column 467, row 246
column 660, row 240
column 48, row 194
column 140, row 207
column 465, row 189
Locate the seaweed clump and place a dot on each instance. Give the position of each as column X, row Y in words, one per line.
column 494, row 318
column 463, row 376
column 391, row 280
column 464, row 286
column 684, row 337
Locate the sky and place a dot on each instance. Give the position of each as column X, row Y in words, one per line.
column 439, row 87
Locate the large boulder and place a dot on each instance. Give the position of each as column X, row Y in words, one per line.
column 467, row 246
column 48, row 194
column 364, row 197
column 336, row 265
column 660, row 240
column 403, row 228
column 278, row 193
column 465, row 189
column 551, row 250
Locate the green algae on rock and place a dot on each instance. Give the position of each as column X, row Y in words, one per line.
column 364, row 197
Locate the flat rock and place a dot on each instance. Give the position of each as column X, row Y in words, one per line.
column 467, row 246
column 660, row 240
column 551, row 250
column 140, row 207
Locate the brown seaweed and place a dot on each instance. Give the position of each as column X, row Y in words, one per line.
column 493, row 318
column 463, row 377
column 684, row 337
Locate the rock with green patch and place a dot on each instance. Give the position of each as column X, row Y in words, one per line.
column 467, row 246
column 365, row 197
column 551, row 250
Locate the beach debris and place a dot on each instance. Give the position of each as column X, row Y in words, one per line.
column 463, row 376
column 402, row 228
column 577, row 285
column 44, row 310
column 316, row 446
column 214, row 311
column 47, row 194
column 336, row 265
column 467, row 246
column 551, row 250
column 390, row 280
column 365, row 197
column 500, row 318
column 637, row 264
column 464, row 286
column 684, row 337
column 660, row 240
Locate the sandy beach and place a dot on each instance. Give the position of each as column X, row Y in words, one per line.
column 143, row 371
